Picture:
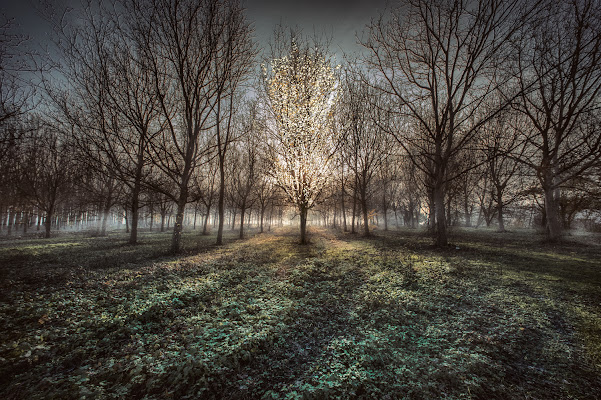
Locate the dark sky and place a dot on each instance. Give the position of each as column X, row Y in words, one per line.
column 340, row 18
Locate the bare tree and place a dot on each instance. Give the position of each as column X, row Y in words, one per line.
column 192, row 49
column 559, row 73
column 437, row 60
column 366, row 145
column 46, row 169
column 244, row 166
column 501, row 145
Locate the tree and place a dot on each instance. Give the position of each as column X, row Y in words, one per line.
column 301, row 90
column 559, row 73
column 106, row 98
column 46, row 170
column 501, row 146
column 365, row 143
column 245, row 166
column 193, row 50
column 437, row 60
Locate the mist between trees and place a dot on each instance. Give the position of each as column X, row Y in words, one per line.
column 169, row 115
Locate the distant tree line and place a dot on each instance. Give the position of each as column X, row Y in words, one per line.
column 167, row 114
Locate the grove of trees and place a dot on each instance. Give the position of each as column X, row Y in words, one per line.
column 154, row 114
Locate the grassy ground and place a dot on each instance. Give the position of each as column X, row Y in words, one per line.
column 502, row 316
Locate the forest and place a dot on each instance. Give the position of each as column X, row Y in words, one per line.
column 189, row 210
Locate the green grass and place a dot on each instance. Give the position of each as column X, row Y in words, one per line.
column 496, row 316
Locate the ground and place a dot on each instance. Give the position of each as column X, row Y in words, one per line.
column 495, row 316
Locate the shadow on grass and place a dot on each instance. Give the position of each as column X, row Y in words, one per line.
column 339, row 318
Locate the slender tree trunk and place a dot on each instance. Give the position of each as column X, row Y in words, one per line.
column 105, row 216
column 48, row 221
column 552, row 213
column 25, row 221
column 234, row 213
column 343, row 209
column 242, row 211
column 195, row 213
column 205, row 225
column 385, row 210
column 415, row 222
column 354, row 208
column 221, row 200
column 468, row 214
column 178, row 227
column 135, row 206
column 9, row 225
column 365, row 212
column 500, row 210
column 303, row 225
column 261, row 217
column 126, row 221
column 439, row 207
column 17, row 222
column 431, row 212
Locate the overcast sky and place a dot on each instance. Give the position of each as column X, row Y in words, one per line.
column 340, row 18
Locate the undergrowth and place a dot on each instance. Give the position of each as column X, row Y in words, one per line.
column 493, row 316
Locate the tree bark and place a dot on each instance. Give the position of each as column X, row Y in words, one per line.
column 135, row 205
column 105, row 216
column 262, row 215
column 440, row 223
column 468, row 214
column 179, row 222
column 365, row 213
column 303, row 225
column 242, row 211
column 552, row 214
column 205, row 225
column 500, row 210
column 221, row 201
column 48, row 221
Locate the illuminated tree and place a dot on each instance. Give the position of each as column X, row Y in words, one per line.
column 302, row 90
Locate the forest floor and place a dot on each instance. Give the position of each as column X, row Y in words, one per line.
column 495, row 316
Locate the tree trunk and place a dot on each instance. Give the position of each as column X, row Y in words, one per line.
column 261, row 217
column 354, row 209
column 178, row 227
column 48, row 221
column 432, row 212
column 468, row 214
column 25, row 221
column 343, row 209
column 303, row 225
column 105, row 217
column 205, row 225
column 552, row 213
column 242, row 211
column 385, row 211
column 440, row 223
column 221, row 200
column 365, row 212
column 126, row 221
column 500, row 210
column 135, row 207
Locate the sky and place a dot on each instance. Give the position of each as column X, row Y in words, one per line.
column 340, row 18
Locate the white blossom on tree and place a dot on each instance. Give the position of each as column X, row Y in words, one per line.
column 302, row 93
